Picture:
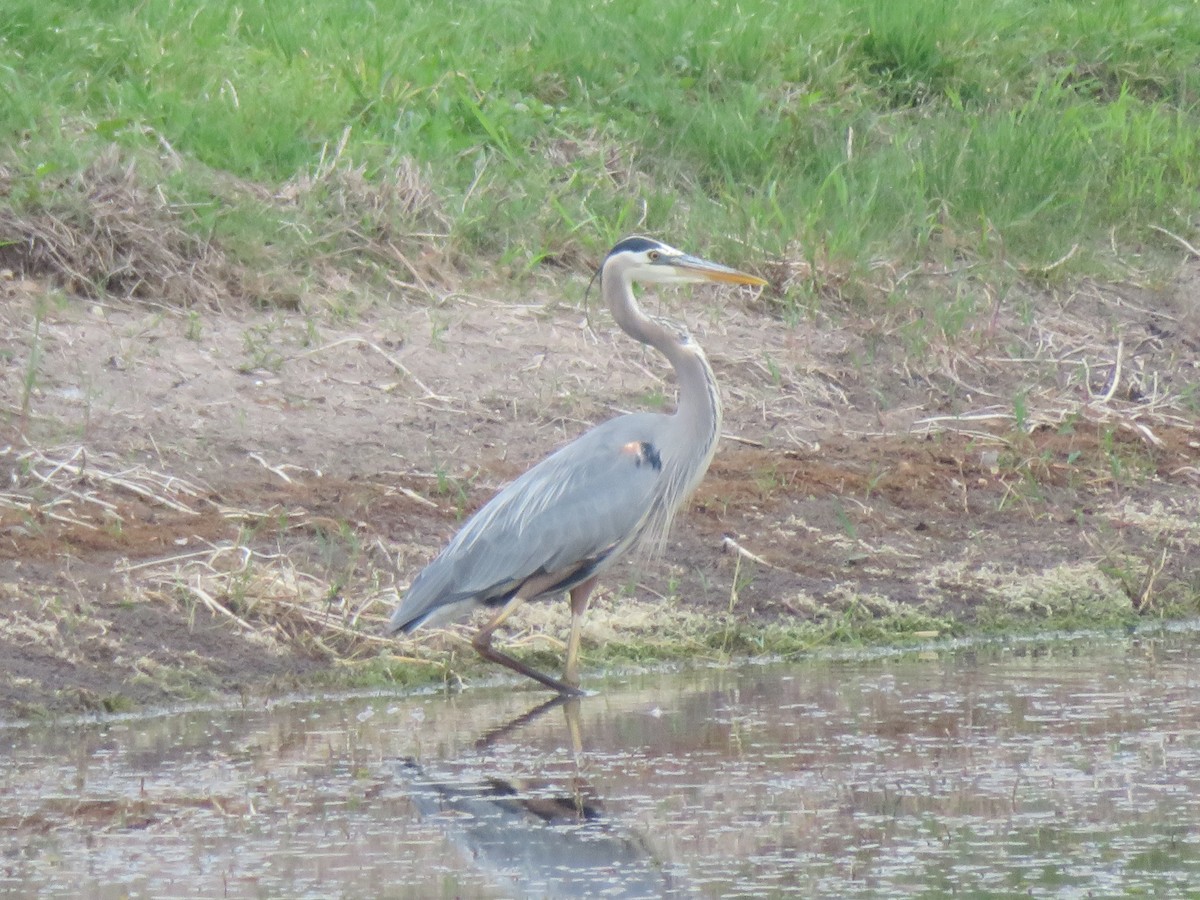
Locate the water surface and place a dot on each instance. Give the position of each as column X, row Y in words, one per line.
column 1064, row 768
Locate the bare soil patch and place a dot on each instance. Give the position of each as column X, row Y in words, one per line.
column 228, row 500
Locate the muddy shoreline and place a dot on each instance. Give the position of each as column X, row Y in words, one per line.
column 204, row 504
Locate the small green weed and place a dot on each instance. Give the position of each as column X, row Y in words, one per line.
column 194, row 326
column 455, row 489
column 260, row 343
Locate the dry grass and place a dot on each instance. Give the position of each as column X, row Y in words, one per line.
column 70, row 486
column 104, row 232
column 393, row 216
column 107, row 232
column 387, row 208
column 1060, row 372
column 271, row 600
column 69, row 494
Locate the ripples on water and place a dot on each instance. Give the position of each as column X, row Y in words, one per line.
column 1068, row 768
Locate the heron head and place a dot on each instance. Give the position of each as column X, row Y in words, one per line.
column 647, row 260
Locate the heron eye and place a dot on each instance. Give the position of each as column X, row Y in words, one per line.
column 654, row 255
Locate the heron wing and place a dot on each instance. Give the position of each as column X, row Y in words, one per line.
column 569, row 512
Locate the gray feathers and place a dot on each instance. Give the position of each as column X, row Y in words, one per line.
column 577, row 507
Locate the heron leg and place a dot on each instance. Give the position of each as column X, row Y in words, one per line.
column 579, row 602
column 482, row 642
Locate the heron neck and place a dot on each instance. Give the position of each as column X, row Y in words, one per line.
column 699, row 407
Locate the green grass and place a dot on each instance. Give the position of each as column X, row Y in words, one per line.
column 849, row 131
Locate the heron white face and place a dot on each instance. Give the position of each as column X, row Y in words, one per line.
column 663, row 264
column 654, row 266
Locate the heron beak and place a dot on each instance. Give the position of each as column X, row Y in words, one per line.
column 711, row 271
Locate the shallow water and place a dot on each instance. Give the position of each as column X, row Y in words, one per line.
column 1065, row 768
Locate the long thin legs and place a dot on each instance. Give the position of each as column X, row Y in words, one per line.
column 482, row 642
column 579, row 601
column 569, row 685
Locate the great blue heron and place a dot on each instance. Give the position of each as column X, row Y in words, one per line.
column 570, row 517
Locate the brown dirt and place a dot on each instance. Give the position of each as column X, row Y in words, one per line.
column 228, row 501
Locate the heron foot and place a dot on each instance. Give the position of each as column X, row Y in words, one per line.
column 572, row 682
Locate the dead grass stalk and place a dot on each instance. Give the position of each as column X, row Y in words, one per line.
column 104, row 232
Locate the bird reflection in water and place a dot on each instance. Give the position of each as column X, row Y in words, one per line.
column 538, row 838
